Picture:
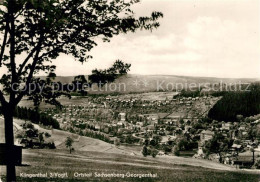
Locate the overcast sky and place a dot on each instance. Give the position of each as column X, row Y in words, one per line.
column 218, row 38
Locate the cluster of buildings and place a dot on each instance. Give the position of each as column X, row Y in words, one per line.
column 243, row 150
column 132, row 117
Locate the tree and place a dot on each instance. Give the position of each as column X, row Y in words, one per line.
column 145, row 151
column 167, row 149
column 153, row 143
column 239, row 117
column 217, row 145
column 102, row 77
column 69, row 141
column 154, row 153
column 234, row 106
column 47, row 135
column 117, row 142
column 183, row 144
column 41, row 138
column 253, row 153
column 42, row 30
column 146, row 142
column 78, row 84
column 176, row 151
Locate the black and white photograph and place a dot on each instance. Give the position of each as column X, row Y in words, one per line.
column 130, row 90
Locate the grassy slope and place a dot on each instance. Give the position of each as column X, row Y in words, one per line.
column 98, row 156
column 91, row 162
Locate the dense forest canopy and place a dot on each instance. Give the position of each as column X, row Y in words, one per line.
column 246, row 103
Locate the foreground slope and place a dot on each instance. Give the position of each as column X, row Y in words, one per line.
column 97, row 163
column 94, row 157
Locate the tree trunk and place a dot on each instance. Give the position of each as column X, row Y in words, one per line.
column 9, row 140
column 253, row 156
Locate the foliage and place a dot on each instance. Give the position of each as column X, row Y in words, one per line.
column 217, row 144
column 254, row 133
column 28, row 125
column 102, row 77
column 79, row 83
column 167, row 149
column 47, row 135
column 190, row 93
column 117, row 142
column 43, row 30
column 69, row 141
column 154, row 153
column 237, row 103
column 219, row 93
column 198, row 125
column 32, row 138
column 257, row 164
column 89, row 133
column 145, row 151
column 41, row 138
column 51, row 145
column 176, row 151
column 186, row 144
column 35, row 117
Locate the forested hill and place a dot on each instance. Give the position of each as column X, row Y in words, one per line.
column 237, row 103
column 149, row 83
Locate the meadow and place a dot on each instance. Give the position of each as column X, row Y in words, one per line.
column 60, row 162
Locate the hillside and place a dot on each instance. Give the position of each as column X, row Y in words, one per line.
column 238, row 103
column 93, row 156
column 148, row 83
column 84, row 144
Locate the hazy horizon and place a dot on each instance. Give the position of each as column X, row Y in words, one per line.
column 196, row 38
column 165, row 75
column 201, row 38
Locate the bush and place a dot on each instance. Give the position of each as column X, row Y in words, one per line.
column 28, row 125
column 176, row 151
column 257, row 164
column 51, row 145
column 145, row 151
column 20, row 134
column 154, row 153
column 47, row 135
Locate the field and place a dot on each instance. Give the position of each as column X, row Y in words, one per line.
column 151, row 96
column 60, row 161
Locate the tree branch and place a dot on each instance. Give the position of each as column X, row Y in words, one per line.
column 4, row 42
column 19, row 13
column 2, row 99
column 25, row 61
column 63, row 44
column 12, row 46
column 32, row 69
